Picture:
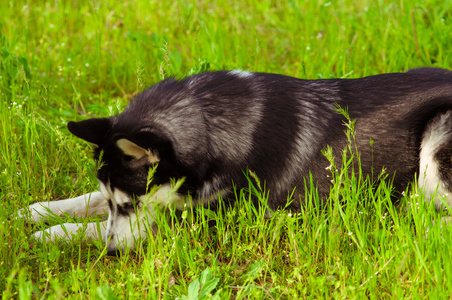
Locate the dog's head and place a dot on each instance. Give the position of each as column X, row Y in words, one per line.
column 125, row 157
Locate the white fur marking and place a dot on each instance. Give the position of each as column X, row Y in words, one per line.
column 164, row 196
column 120, row 197
column 435, row 135
column 66, row 231
column 240, row 73
column 104, row 190
column 123, row 231
column 83, row 206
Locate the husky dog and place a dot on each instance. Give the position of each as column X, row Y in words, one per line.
column 212, row 127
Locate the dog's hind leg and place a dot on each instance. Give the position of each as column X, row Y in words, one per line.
column 435, row 161
column 87, row 205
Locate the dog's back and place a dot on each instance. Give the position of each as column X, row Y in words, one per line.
column 220, row 124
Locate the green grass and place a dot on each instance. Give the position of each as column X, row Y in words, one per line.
column 70, row 60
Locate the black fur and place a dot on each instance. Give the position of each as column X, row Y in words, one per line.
column 211, row 127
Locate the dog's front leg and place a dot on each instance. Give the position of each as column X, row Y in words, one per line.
column 87, row 205
column 123, row 230
column 67, row 230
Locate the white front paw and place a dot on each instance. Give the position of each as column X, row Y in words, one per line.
column 68, row 231
column 35, row 213
column 58, row 232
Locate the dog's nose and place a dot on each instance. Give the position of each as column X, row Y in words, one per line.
column 114, row 252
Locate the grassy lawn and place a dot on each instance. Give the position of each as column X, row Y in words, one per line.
column 70, row 60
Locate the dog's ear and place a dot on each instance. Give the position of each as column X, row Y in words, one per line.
column 147, row 143
column 129, row 148
column 91, row 130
